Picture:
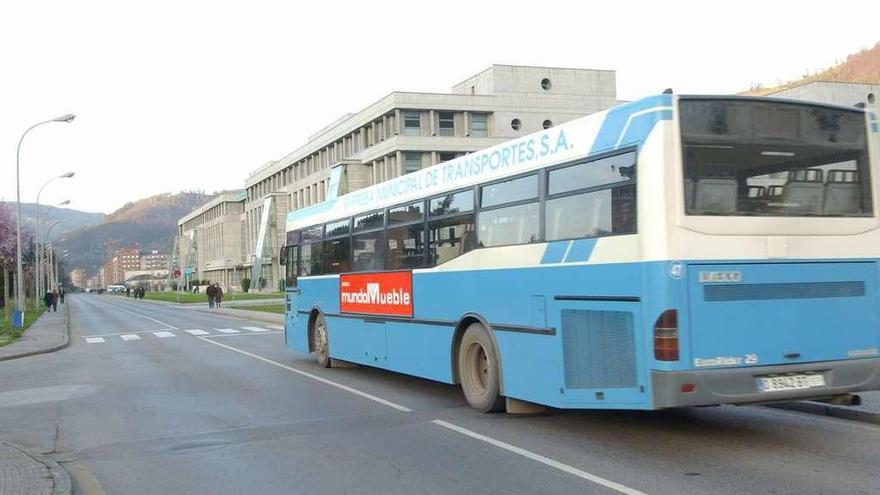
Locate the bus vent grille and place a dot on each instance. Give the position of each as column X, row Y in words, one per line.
column 798, row 290
column 599, row 349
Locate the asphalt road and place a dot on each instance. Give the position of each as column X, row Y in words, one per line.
column 235, row 412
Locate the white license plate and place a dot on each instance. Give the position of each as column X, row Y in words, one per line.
column 790, row 382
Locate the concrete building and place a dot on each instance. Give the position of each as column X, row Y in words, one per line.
column 838, row 93
column 211, row 243
column 78, row 277
column 404, row 132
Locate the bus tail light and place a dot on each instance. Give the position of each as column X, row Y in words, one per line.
column 666, row 336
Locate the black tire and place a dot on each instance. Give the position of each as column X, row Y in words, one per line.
column 321, row 341
column 479, row 370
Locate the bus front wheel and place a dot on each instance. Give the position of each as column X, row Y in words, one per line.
column 479, row 371
column 321, row 341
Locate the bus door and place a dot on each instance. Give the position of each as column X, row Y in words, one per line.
column 292, row 326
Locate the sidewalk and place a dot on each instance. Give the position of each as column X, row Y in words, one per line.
column 30, row 474
column 49, row 333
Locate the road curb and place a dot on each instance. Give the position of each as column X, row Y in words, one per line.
column 61, row 484
column 245, row 314
column 821, row 409
column 62, row 345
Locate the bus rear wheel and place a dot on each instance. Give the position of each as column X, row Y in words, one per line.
column 479, row 371
column 321, row 341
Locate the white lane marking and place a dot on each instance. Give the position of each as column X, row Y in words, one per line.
column 94, row 340
column 171, row 327
column 256, row 329
column 119, row 333
column 163, row 335
column 313, row 377
column 227, row 330
column 197, row 332
column 131, row 336
column 276, row 327
column 242, row 334
column 543, row 460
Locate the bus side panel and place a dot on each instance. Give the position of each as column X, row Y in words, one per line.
column 357, row 340
column 600, row 305
column 420, row 350
column 531, row 367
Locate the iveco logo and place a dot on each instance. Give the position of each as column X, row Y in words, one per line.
column 720, row 277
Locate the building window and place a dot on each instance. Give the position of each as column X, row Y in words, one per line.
column 547, row 124
column 515, row 124
column 545, row 84
column 412, row 125
column 479, row 125
column 446, row 156
column 412, row 161
column 447, row 124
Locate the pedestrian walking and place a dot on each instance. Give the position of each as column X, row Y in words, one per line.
column 54, row 301
column 47, row 299
column 211, row 292
column 61, row 294
column 218, row 294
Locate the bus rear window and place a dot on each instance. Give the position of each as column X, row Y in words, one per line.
column 760, row 158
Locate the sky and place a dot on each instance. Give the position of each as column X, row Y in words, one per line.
column 190, row 95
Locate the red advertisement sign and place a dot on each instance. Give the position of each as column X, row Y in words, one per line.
column 377, row 293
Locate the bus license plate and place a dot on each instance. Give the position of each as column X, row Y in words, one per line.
column 790, row 382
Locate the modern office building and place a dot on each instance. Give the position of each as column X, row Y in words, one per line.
column 404, row 132
column 210, row 240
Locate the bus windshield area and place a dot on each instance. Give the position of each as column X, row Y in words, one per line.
column 759, row 158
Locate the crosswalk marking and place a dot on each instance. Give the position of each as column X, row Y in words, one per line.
column 131, row 336
column 94, row 340
column 163, row 335
column 227, row 330
column 256, row 329
column 197, row 332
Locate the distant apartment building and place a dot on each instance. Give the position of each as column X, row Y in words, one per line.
column 78, row 277
column 154, row 261
column 211, row 243
column 404, row 132
column 124, row 259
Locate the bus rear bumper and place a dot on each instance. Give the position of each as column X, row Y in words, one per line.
column 740, row 385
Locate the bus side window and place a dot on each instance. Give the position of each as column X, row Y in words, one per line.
column 367, row 250
column 451, row 237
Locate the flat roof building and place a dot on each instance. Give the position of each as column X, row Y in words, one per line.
column 404, row 132
column 837, row 93
column 210, row 243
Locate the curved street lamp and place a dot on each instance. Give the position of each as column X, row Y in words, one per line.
column 19, row 277
column 51, row 259
column 39, row 275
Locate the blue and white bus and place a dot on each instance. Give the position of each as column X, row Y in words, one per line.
column 672, row 251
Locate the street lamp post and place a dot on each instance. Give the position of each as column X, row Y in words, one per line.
column 19, row 275
column 50, row 255
column 40, row 238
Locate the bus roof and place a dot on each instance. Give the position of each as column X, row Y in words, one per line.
column 619, row 127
